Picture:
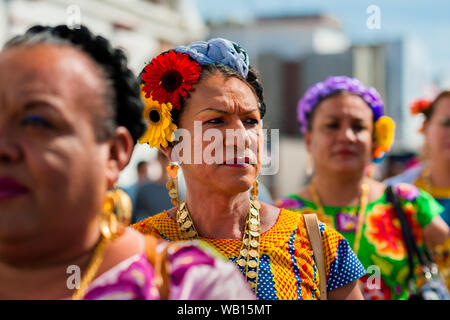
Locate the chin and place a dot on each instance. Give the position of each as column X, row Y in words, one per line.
column 234, row 185
column 348, row 167
column 16, row 226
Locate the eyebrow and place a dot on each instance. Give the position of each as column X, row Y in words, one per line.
column 32, row 105
column 338, row 117
column 223, row 111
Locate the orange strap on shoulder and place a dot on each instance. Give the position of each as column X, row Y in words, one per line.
column 312, row 226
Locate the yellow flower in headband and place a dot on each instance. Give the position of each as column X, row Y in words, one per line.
column 160, row 129
column 384, row 133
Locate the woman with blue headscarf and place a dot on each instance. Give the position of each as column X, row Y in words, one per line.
column 208, row 93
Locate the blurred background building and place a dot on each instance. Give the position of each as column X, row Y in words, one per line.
column 292, row 49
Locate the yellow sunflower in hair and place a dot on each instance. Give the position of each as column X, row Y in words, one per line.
column 160, row 129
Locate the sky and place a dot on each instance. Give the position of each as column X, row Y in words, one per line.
column 427, row 21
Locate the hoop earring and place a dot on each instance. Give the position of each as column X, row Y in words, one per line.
column 309, row 164
column 116, row 214
column 172, row 184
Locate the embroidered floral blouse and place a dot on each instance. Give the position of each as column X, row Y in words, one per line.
column 381, row 241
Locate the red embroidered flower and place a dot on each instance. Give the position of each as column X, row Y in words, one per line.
column 384, row 231
column 169, row 76
column 375, row 291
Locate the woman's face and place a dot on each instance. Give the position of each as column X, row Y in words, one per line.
column 222, row 107
column 53, row 172
column 340, row 139
column 437, row 130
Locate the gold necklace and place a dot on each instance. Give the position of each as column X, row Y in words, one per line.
column 361, row 214
column 92, row 269
column 426, row 176
column 424, row 182
column 248, row 260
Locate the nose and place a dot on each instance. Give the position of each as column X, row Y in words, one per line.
column 346, row 134
column 237, row 131
column 9, row 149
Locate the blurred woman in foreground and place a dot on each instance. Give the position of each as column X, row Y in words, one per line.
column 70, row 116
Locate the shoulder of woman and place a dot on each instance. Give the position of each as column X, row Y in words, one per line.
column 406, row 191
column 408, row 176
column 292, row 201
column 200, row 272
column 426, row 208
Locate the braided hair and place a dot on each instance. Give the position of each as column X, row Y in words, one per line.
column 123, row 95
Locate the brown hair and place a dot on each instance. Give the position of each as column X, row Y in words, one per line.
column 429, row 112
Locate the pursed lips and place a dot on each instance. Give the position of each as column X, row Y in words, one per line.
column 11, row 188
column 237, row 162
column 344, row 152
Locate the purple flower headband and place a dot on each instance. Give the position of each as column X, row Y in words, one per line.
column 321, row 90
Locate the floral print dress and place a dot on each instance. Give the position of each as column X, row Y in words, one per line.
column 196, row 272
column 381, row 248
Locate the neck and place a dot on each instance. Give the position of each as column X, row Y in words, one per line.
column 338, row 189
column 44, row 277
column 439, row 172
column 219, row 215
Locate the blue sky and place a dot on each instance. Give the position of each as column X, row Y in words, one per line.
column 428, row 21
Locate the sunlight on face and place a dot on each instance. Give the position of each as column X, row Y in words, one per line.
column 227, row 109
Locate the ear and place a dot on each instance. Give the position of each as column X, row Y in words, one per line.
column 167, row 151
column 120, row 150
column 308, row 141
column 424, row 127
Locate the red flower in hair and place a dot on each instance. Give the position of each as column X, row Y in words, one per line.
column 169, row 76
column 420, row 106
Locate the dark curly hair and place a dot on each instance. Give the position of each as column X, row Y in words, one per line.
column 227, row 71
column 123, row 94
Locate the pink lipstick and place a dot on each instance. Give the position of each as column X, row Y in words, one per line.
column 10, row 188
column 238, row 162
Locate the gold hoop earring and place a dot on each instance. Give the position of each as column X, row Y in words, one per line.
column 116, row 214
column 172, row 184
column 309, row 164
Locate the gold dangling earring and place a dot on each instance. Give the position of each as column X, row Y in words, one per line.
column 116, row 214
column 309, row 164
column 254, row 192
column 115, row 217
column 370, row 170
column 172, row 184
